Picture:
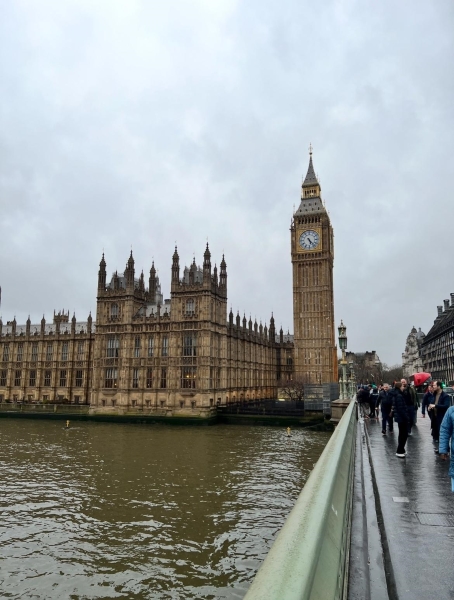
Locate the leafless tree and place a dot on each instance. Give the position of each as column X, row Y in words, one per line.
column 293, row 389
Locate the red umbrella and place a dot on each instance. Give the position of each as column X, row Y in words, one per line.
column 420, row 378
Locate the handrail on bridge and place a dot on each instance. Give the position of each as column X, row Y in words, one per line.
column 308, row 558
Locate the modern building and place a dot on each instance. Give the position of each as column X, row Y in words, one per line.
column 412, row 358
column 437, row 348
column 185, row 354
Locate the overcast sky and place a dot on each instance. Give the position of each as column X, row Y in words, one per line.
column 144, row 123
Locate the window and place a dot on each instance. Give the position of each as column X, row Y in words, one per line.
column 47, row 378
column 63, row 378
column 34, row 352
column 134, row 402
column 164, row 378
column 64, row 351
column 113, row 345
column 149, row 378
column 80, row 351
column 32, row 378
column 135, row 378
column 150, row 346
column 76, row 399
column 188, row 377
column 3, row 377
column 79, row 378
column 6, row 352
column 147, row 402
column 137, row 346
column 165, row 346
column 17, row 378
column 49, row 351
column 111, row 378
column 20, row 352
column 190, row 307
column 114, row 311
column 189, row 344
column 46, row 398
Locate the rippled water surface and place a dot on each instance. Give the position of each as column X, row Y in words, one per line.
column 140, row 511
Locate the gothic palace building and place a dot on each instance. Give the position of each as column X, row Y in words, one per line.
column 184, row 354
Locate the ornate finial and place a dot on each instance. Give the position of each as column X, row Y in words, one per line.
column 310, row 149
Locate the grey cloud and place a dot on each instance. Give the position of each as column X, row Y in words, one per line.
column 150, row 123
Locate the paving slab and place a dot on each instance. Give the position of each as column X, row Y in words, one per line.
column 417, row 509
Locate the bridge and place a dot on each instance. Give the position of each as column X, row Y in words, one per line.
column 367, row 524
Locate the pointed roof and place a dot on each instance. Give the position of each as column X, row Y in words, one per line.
column 311, row 177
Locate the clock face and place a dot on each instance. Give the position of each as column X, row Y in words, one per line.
column 309, row 239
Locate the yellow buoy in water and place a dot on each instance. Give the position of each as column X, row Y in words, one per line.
column 67, row 425
column 288, row 432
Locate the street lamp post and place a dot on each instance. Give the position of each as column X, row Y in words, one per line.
column 343, row 346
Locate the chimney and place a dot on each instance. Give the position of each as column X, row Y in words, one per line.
column 446, row 303
column 452, row 299
column 440, row 310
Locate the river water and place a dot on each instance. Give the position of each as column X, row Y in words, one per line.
column 143, row 511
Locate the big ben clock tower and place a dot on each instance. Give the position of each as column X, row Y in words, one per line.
column 315, row 354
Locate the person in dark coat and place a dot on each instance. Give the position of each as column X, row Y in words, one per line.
column 401, row 416
column 410, row 402
column 386, row 403
column 363, row 400
column 373, row 399
column 442, row 401
column 427, row 399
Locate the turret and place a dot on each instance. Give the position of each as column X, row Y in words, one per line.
column 73, row 324
column 89, row 323
column 272, row 329
column 130, row 273
column 175, row 267
column 43, row 325
column 255, row 325
column 192, row 272
column 141, row 283
column 281, row 336
column 13, row 326
column 102, row 274
column 215, row 276
column 207, row 265
column 238, row 319
column 231, row 317
column 250, row 324
column 152, row 284
column 244, row 322
column 223, row 277
column 27, row 326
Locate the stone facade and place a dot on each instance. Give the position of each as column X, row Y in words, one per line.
column 412, row 358
column 437, row 348
column 185, row 354
column 312, row 251
column 47, row 362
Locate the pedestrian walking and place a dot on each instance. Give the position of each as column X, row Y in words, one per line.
column 446, row 436
column 410, row 400
column 363, row 400
column 427, row 399
column 401, row 416
column 373, row 400
column 386, row 403
column 442, row 401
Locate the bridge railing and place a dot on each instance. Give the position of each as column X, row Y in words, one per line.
column 309, row 556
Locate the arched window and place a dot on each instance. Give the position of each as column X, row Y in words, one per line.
column 114, row 311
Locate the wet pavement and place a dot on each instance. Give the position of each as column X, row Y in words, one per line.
column 410, row 513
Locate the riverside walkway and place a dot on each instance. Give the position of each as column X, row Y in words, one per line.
column 402, row 539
